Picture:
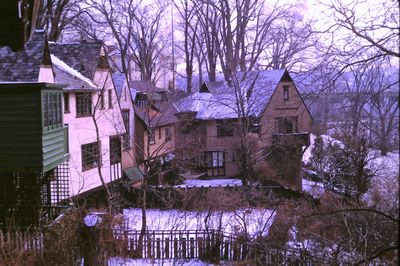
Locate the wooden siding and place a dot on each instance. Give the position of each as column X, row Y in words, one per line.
column 20, row 129
column 24, row 146
column 53, row 148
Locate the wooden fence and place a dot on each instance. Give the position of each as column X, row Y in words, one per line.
column 20, row 241
column 181, row 244
column 214, row 245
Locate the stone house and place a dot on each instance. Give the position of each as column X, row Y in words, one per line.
column 223, row 125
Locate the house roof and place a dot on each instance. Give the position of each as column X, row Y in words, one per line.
column 24, row 66
column 218, row 100
column 145, row 86
column 118, row 79
column 66, row 75
column 164, row 115
column 165, row 110
column 83, row 57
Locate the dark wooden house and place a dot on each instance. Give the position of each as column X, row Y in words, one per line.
column 33, row 138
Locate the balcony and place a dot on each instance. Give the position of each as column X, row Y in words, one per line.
column 297, row 139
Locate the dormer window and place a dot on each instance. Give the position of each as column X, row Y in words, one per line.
column 286, row 93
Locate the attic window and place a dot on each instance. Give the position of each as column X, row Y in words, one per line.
column 286, row 93
column 102, row 63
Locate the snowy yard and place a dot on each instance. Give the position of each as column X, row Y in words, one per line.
column 165, row 262
column 384, row 185
column 211, row 183
column 315, row 189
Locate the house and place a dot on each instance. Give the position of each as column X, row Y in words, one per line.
column 209, row 134
column 33, row 137
column 92, row 113
column 150, row 118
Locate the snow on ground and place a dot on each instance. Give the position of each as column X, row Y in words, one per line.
column 384, row 186
column 326, row 138
column 117, row 261
column 384, row 190
column 315, row 189
column 252, row 221
column 211, row 183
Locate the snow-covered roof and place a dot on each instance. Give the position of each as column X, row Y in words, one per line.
column 208, row 105
column 74, row 78
column 219, row 100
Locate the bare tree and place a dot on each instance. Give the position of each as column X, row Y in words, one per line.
column 59, row 15
column 367, row 33
column 190, row 26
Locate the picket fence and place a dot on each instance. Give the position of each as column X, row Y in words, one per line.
column 212, row 244
column 21, row 240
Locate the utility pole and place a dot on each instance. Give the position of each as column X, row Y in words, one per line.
column 173, row 46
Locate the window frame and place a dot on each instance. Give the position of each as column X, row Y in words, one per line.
column 52, row 110
column 215, row 163
column 67, row 106
column 110, row 105
column 224, row 128
column 285, row 93
column 83, row 109
column 89, row 161
column 288, row 119
column 102, row 104
column 115, row 159
column 168, row 133
column 152, row 138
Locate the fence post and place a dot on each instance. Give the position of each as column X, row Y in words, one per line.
column 148, row 246
column 184, row 247
column 191, row 247
column 200, row 246
column 167, row 248
column 176, row 248
column 158, row 249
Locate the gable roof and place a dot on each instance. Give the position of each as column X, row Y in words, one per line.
column 218, row 100
column 24, row 66
column 145, row 86
column 83, row 56
column 64, row 74
column 118, row 79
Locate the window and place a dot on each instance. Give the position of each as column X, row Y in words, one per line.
column 115, row 150
column 83, row 104
column 254, row 125
column 102, row 99
column 110, row 99
column 52, row 108
column 215, row 161
column 159, row 133
column 224, row 128
column 167, row 133
column 66, row 102
column 152, row 139
column 285, row 125
column 286, row 93
column 126, row 137
column 90, row 155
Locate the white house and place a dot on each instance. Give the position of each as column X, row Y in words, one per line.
column 92, row 113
